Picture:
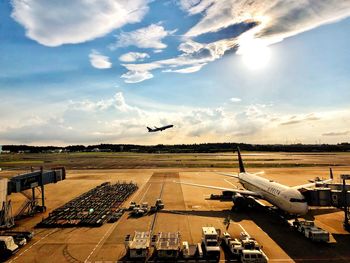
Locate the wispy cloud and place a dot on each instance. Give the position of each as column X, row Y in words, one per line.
column 194, row 56
column 136, row 76
column 236, row 99
column 300, row 119
column 339, row 133
column 278, row 18
column 186, row 70
column 133, row 57
column 146, row 37
column 99, row 61
column 53, row 23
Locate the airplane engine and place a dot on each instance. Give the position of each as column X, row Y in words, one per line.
column 239, row 201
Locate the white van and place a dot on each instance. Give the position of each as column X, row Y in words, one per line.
column 8, row 246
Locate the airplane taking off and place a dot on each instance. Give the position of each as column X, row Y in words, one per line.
column 287, row 198
column 160, row 128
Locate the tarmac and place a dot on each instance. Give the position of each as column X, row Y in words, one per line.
column 186, row 210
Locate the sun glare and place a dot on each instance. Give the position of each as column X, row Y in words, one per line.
column 255, row 54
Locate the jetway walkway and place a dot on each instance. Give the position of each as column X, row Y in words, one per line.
column 336, row 195
column 32, row 186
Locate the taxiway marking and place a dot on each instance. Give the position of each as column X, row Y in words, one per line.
column 99, row 242
column 145, row 193
column 227, row 181
column 24, row 251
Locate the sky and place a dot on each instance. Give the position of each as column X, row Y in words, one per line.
column 100, row 71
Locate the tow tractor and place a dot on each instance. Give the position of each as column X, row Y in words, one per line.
column 246, row 248
column 311, row 231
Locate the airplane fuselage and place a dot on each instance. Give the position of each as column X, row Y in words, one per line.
column 160, row 128
column 286, row 198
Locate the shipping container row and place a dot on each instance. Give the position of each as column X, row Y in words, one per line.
column 99, row 205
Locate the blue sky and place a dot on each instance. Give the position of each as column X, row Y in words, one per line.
column 220, row 70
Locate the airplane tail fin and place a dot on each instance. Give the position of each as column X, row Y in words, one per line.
column 330, row 173
column 149, row 129
column 240, row 162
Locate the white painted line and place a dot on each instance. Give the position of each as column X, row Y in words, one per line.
column 145, row 193
column 242, row 228
column 227, row 181
column 32, row 245
column 282, row 260
column 99, row 242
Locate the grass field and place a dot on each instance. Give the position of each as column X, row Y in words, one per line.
column 133, row 160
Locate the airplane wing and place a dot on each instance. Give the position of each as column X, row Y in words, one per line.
column 311, row 184
column 315, row 182
column 236, row 175
column 230, row 175
column 242, row 192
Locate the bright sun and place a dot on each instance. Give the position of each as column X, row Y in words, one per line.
column 255, row 54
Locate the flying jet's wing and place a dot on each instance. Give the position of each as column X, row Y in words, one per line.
column 242, row 192
column 315, row 182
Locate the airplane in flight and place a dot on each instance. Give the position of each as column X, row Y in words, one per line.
column 287, row 198
column 160, row 128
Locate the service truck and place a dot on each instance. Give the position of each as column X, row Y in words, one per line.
column 246, row 248
column 311, row 231
column 210, row 242
column 8, row 247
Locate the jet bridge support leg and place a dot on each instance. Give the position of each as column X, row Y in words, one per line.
column 345, row 177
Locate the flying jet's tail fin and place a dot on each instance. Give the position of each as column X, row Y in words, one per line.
column 240, row 161
column 330, row 173
column 149, row 129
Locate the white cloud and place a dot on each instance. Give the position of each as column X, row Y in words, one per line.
column 277, row 19
column 136, row 76
column 186, row 70
column 117, row 102
column 147, row 37
column 120, row 121
column 271, row 20
column 53, row 23
column 194, row 57
column 133, row 56
column 235, row 99
column 99, row 61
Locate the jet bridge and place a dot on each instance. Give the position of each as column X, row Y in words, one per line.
column 331, row 194
column 32, row 186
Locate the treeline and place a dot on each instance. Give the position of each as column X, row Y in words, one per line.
column 181, row 148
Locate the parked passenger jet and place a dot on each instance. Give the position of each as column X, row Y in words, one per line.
column 288, row 199
column 159, row 129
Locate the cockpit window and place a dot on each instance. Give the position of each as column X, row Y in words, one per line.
column 297, row 200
